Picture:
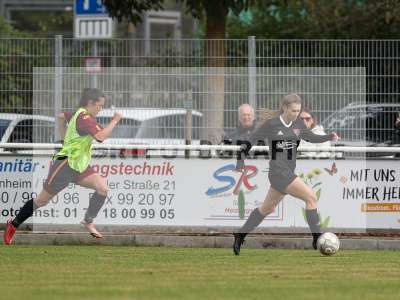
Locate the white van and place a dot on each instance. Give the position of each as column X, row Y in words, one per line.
column 151, row 126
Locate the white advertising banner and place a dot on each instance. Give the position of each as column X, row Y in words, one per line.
column 209, row 192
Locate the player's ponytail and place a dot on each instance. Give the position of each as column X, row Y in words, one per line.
column 266, row 114
column 90, row 94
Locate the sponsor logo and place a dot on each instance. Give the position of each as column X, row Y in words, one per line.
column 18, row 166
column 226, row 176
column 285, row 145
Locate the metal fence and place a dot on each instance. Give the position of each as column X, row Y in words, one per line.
column 336, row 79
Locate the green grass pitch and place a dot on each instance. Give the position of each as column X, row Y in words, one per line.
column 107, row 272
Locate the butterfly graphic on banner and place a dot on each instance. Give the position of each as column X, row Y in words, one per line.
column 333, row 170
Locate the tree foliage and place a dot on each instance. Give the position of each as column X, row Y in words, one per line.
column 133, row 9
column 363, row 23
column 321, row 19
column 44, row 23
column 19, row 54
column 10, row 83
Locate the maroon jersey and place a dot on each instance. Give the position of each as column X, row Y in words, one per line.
column 85, row 124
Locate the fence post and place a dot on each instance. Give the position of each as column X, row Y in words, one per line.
column 188, row 104
column 57, row 82
column 252, row 70
column 94, row 54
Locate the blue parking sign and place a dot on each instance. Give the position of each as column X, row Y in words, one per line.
column 90, row 7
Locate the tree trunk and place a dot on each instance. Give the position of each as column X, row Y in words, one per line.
column 213, row 117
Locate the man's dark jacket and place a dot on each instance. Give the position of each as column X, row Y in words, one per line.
column 240, row 134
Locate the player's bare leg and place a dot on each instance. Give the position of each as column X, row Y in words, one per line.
column 99, row 184
column 302, row 191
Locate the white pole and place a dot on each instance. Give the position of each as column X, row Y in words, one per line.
column 37, row 146
column 57, row 82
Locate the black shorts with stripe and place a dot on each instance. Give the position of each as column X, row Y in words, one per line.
column 61, row 174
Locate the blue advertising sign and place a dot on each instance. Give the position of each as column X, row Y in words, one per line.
column 90, row 7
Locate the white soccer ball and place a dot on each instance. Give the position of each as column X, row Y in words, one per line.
column 328, row 243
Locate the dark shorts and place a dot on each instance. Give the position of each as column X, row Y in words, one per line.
column 60, row 175
column 280, row 180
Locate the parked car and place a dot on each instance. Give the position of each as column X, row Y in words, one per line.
column 364, row 124
column 25, row 128
column 368, row 123
column 151, row 126
column 167, row 126
column 138, row 126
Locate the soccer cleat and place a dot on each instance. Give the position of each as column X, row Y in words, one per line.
column 92, row 230
column 238, row 242
column 9, row 233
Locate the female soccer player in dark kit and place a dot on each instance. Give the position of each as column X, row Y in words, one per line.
column 71, row 163
column 284, row 133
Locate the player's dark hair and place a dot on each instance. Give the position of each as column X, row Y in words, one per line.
column 308, row 111
column 290, row 99
column 90, row 94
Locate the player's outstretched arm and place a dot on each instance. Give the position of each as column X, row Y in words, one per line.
column 311, row 137
column 106, row 131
